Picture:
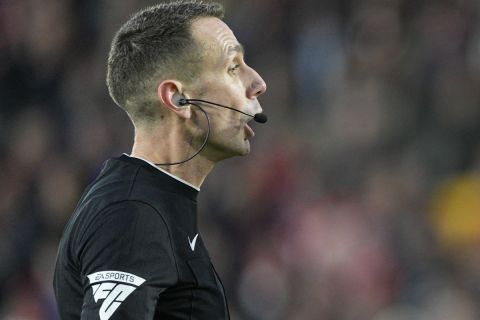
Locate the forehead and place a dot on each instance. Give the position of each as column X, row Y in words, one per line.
column 215, row 36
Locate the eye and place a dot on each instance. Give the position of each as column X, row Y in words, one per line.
column 234, row 68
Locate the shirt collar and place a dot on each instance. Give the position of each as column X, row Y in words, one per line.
column 166, row 172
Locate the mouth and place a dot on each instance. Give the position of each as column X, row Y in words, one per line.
column 249, row 133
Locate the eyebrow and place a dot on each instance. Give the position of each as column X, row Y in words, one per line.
column 238, row 48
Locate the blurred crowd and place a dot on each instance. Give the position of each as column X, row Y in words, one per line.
column 360, row 199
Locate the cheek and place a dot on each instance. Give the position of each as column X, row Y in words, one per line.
column 204, row 88
column 231, row 93
column 225, row 88
column 235, row 85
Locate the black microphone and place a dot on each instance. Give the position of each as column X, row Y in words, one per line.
column 258, row 117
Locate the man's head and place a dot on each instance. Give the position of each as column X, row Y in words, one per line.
column 155, row 44
column 184, row 50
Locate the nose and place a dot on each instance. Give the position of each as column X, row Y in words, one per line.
column 257, row 86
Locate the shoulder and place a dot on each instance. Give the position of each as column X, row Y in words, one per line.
column 128, row 218
column 126, row 226
column 128, row 235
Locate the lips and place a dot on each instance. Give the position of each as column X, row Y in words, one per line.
column 248, row 132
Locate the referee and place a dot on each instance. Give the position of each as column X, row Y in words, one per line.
column 132, row 249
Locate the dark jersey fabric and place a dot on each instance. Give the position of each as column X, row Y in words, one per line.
column 132, row 250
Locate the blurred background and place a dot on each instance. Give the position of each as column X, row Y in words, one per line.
column 360, row 198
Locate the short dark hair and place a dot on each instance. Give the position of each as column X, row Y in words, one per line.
column 155, row 42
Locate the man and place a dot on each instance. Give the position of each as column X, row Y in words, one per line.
column 132, row 249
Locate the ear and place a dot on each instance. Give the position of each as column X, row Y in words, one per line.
column 169, row 93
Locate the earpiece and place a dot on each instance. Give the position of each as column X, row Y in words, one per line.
column 179, row 99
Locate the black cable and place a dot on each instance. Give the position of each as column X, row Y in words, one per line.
column 203, row 144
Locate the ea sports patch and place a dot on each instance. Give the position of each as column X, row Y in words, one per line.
column 113, row 287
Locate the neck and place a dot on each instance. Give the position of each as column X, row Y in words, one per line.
column 158, row 146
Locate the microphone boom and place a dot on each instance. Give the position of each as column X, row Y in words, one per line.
column 258, row 117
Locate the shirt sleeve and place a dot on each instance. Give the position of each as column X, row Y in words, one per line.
column 127, row 261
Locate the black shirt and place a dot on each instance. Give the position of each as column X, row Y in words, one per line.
column 132, row 250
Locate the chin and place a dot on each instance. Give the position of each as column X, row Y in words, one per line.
column 242, row 149
column 246, row 149
column 230, row 151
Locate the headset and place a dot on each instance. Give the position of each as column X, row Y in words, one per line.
column 258, row 117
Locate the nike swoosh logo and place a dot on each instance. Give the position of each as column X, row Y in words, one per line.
column 192, row 243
